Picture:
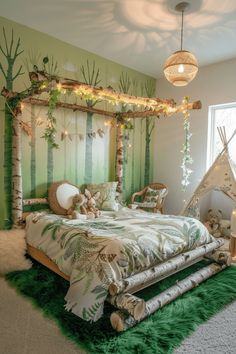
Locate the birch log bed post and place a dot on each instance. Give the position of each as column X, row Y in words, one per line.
column 17, row 193
column 119, row 156
column 132, row 309
column 14, row 107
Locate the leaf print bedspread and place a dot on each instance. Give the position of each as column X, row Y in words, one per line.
column 96, row 252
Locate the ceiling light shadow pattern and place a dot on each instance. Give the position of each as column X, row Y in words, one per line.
column 140, row 34
column 128, row 29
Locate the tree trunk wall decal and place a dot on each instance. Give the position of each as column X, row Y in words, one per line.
column 125, row 162
column 106, row 153
column 10, row 51
column 33, row 154
column 76, row 149
column 149, row 89
column 30, row 62
column 148, row 132
column 50, row 164
column 133, row 160
column 88, row 177
column 91, row 76
column 135, row 85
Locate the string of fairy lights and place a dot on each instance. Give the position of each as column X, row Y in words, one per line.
column 89, row 93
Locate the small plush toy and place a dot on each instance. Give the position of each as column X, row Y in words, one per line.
column 225, row 228
column 77, row 210
column 213, row 222
column 90, row 205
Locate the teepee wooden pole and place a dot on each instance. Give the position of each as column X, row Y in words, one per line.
column 163, row 270
column 221, row 135
column 121, row 321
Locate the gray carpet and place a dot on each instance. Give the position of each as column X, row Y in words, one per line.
column 216, row 336
column 24, row 330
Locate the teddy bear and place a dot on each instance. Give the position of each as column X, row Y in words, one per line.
column 213, row 222
column 77, row 210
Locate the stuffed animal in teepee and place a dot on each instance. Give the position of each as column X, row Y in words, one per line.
column 213, row 222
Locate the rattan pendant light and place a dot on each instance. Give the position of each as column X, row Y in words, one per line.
column 181, row 67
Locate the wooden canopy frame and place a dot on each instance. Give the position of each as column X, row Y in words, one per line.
column 42, row 82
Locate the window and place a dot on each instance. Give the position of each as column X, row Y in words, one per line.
column 221, row 115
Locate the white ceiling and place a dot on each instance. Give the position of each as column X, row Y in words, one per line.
column 140, row 34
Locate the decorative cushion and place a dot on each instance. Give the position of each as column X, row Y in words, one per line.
column 107, row 200
column 145, row 204
column 60, row 196
column 154, row 195
column 12, row 251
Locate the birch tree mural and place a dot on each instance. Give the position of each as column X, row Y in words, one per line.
column 30, row 63
column 91, row 77
column 124, row 87
column 33, row 154
column 10, row 50
column 76, row 149
column 106, row 152
column 149, row 89
column 51, row 67
column 132, row 188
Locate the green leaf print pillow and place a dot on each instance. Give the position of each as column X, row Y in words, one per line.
column 154, row 195
column 107, row 200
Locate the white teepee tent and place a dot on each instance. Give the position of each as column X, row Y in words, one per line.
column 221, row 176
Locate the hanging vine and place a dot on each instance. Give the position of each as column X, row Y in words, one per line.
column 50, row 130
column 187, row 159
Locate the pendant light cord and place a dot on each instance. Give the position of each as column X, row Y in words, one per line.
column 182, row 30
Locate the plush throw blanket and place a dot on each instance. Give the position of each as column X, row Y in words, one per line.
column 95, row 253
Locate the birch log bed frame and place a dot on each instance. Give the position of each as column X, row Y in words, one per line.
column 121, row 292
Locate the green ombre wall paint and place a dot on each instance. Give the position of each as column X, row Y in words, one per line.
column 85, row 154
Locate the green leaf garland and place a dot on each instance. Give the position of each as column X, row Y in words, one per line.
column 187, row 159
column 50, row 131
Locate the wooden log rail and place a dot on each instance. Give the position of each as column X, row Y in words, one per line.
column 121, row 321
column 72, row 106
column 169, row 110
column 35, row 201
column 103, row 93
column 133, row 309
column 129, row 303
column 152, row 275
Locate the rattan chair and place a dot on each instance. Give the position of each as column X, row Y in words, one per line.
column 157, row 207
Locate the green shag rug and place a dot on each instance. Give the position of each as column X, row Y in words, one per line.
column 158, row 334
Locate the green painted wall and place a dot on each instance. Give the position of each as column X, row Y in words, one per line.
column 69, row 159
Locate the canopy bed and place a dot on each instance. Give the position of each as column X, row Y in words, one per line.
column 121, row 252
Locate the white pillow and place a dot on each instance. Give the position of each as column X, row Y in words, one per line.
column 60, row 196
column 65, row 193
column 12, row 251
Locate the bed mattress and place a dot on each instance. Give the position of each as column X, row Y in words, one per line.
column 95, row 253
